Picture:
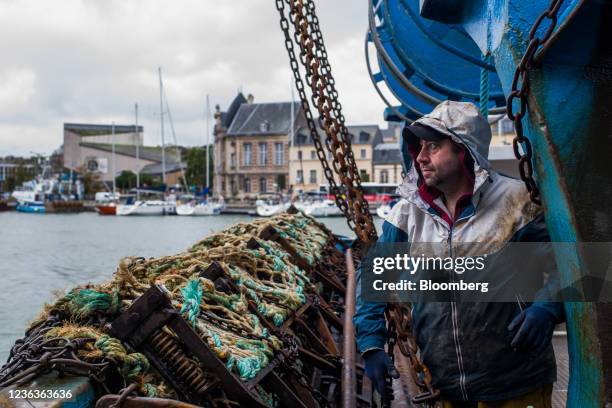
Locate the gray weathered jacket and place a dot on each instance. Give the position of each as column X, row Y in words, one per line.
column 466, row 345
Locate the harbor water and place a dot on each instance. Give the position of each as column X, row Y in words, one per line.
column 42, row 255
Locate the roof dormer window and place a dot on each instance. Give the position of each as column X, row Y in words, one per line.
column 264, row 126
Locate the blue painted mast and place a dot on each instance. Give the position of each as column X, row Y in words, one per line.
column 568, row 124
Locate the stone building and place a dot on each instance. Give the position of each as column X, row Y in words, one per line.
column 252, row 147
column 387, row 163
column 89, row 148
column 305, row 170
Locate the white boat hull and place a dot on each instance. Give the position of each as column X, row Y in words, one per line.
column 146, row 208
column 125, row 209
column 268, row 210
column 199, row 209
column 326, row 208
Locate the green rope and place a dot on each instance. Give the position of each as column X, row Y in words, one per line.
column 484, row 87
column 83, row 302
column 192, row 296
column 131, row 365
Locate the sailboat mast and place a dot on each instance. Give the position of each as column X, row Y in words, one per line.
column 137, row 152
column 161, row 110
column 113, row 175
column 207, row 140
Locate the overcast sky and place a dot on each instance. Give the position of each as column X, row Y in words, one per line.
column 90, row 60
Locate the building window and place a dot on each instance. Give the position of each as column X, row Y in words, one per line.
column 384, row 176
column 365, row 177
column 233, row 160
column 299, row 179
column 264, row 126
column 313, row 176
column 364, row 137
column 280, row 182
column 263, row 153
column 363, row 153
column 247, row 154
column 247, row 185
column 299, row 155
column 313, row 154
column 263, row 185
column 279, row 154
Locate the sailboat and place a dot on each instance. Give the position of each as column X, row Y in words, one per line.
column 157, row 206
column 205, row 207
column 106, row 204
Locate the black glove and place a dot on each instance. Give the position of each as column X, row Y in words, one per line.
column 535, row 330
column 377, row 365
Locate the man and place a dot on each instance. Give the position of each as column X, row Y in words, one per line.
column 479, row 354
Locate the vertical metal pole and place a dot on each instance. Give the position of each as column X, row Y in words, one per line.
column 349, row 379
column 137, row 153
column 207, row 141
column 291, row 131
column 161, row 113
column 113, row 159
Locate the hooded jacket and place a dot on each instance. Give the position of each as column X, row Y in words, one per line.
column 465, row 345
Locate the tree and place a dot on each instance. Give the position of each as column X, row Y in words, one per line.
column 127, row 180
column 195, row 158
column 91, row 181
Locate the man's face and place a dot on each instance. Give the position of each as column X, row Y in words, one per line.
column 440, row 163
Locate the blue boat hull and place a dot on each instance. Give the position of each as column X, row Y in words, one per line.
column 35, row 208
column 569, row 124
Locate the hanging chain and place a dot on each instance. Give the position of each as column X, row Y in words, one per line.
column 520, row 91
column 400, row 334
column 313, row 58
column 329, row 175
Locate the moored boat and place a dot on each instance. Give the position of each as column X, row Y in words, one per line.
column 207, row 208
column 265, row 209
column 149, row 207
column 106, row 209
column 319, row 208
column 36, row 207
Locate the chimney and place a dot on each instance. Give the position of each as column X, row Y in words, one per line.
column 250, row 99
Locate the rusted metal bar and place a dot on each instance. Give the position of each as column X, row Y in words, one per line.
column 109, row 401
column 142, row 323
column 349, row 378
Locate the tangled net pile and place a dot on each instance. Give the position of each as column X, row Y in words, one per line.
column 264, row 276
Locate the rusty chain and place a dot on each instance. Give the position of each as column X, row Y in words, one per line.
column 313, row 57
column 299, row 83
column 520, row 92
column 35, row 355
column 400, row 333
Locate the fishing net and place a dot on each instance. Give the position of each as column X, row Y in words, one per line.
column 262, row 274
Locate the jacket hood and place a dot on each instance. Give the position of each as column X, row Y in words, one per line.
column 463, row 123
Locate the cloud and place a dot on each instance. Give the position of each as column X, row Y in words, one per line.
column 90, row 61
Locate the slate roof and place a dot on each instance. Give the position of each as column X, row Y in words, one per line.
column 154, row 169
column 387, row 153
column 360, row 134
column 227, row 117
column 145, row 152
column 263, row 119
column 86, row 129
